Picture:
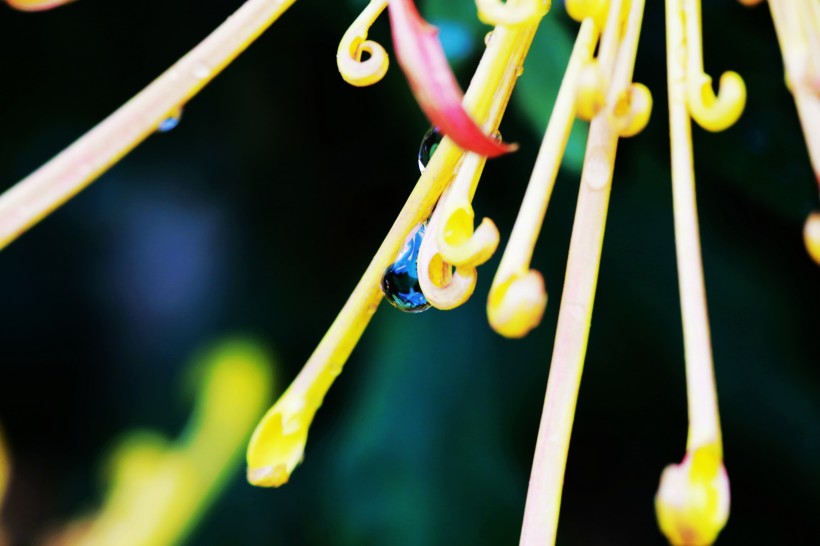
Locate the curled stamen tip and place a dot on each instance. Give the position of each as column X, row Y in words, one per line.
column 811, row 236
column 495, row 12
column 358, row 72
column 632, row 112
column 461, row 246
column 717, row 112
column 268, row 476
column 591, row 91
column 517, row 305
column 692, row 502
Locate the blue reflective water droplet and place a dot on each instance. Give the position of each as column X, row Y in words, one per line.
column 400, row 283
column 429, row 143
column 170, row 122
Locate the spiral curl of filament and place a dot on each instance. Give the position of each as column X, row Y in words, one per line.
column 445, row 286
column 458, row 241
column 354, row 45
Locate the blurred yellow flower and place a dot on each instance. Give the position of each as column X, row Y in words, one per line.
column 158, row 489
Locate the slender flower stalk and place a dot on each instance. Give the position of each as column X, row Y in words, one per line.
column 278, row 443
column 797, row 23
column 692, row 502
column 518, row 298
column 616, row 61
column 60, row 179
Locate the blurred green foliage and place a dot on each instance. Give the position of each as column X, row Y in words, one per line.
column 260, row 211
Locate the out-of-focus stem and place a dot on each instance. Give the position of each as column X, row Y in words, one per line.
column 797, row 23
column 37, row 195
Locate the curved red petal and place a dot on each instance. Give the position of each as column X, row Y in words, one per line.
column 421, row 57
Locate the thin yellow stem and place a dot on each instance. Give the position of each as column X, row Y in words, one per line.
column 515, row 310
column 278, row 443
column 339, row 341
column 704, row 420
column 57, row 181
column 518, row 254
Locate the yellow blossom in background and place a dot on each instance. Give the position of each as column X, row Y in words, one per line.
column 158, row 489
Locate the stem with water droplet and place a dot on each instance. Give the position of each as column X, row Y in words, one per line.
column 68, row 173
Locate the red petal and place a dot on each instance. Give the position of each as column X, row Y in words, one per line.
column 422, row 58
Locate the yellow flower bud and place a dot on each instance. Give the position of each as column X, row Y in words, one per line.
column 692, row 502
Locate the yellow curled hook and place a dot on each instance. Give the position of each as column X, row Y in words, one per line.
column 355, row 44
column 632, row 110
column 713, row 112
column 444, row 288
column 459, row 242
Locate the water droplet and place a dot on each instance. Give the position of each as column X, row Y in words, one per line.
column 400, row 283
column 429, row 143
column 488, row 38
column 201, row 70
column 519, row 70
column 170, row 122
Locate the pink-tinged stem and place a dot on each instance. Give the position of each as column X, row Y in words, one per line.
column 37, row 195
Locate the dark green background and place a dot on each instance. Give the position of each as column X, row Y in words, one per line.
column 261, row 210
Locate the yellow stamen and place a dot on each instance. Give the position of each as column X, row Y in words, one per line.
column 278, row 444
column 354, row 44
column 575, row 314
column 443, row 287
column 693, row 498
column 712, row 112
column 458, row 241
column 68, row 173
column 692, row 503
column 517, row 298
